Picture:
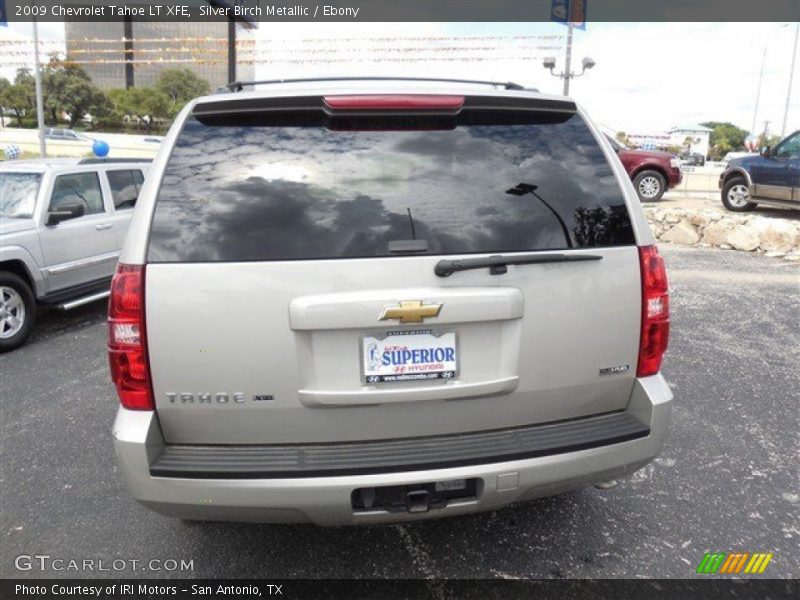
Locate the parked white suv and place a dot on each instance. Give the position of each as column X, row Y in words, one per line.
column 376, row 300
column 62, row 224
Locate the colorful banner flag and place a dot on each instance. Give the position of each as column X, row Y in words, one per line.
column 569, row 12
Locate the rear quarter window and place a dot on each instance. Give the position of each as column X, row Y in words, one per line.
column 125, row 185
column 260, row 191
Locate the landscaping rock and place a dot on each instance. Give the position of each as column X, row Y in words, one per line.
column 699, row 219
column 716, row 233
column 743, row 237
column 773, row 237
column 682, row 233
column 776, row 236
column 657, row 229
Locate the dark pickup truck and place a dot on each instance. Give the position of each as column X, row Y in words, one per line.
column 771, row 178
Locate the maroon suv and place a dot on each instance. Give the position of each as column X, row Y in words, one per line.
column 652, row 173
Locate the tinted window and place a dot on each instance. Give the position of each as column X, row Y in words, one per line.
column 125, row 186
column 789, row 148
column 257, row 191
column 77, row 188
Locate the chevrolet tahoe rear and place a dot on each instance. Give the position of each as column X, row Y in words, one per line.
column 372, row 301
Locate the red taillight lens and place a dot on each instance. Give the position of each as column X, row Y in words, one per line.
column 655, row 311
column 394, row 102
column 127, row 353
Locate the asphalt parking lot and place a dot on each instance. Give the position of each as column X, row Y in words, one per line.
column 726, row 480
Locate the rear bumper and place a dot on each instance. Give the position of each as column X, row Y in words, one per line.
column 326, row 500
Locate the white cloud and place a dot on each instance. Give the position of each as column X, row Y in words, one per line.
column 653, row 75
column 648, row 77
column 10, row 59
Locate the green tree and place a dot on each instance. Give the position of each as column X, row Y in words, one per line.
column 767, row 141
column 688, row 142
column 725, row 137
column 141, row 105
column 180, row 86
column 157, row 106
column 20, row 95
column 120, row 102
column 622, row 138
column 25, row 78
column 68, row 88
column 5, row 86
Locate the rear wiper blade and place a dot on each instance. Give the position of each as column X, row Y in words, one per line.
column 498, row 264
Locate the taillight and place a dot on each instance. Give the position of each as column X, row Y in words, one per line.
column 127, row 348
column 655, row 311
column 395, row 102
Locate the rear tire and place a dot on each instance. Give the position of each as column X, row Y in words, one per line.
column 17, row 311
column 736, row 195
column 650, row 186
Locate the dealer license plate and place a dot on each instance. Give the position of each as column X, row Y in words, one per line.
column 413, row 355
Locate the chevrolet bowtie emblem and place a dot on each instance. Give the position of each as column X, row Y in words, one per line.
column 410, row 311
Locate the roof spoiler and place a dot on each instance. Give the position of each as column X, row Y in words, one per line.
column 100, row 161
column 300, row 104
column 307, row 104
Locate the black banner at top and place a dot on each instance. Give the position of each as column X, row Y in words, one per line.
column 255, row 11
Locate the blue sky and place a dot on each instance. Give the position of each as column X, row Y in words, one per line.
column 649, row 76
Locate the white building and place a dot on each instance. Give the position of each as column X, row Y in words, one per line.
column 674, row 137
column 649, row 141
column 698, row 135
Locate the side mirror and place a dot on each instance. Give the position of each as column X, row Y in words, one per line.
column 65, row 213
column 766, row 151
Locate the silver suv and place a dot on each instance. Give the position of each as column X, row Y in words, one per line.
column 363, row 301
column 62, row 224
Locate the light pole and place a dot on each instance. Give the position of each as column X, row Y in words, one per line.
column 567, row 74
column 791, row 76
column 568, row 59
column 761, row 76
column 758, row 89
column 39, row 99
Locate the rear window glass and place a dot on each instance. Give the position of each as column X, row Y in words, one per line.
column 258, row 191
column 125, row 186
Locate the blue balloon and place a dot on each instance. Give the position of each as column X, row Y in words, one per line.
column 100, row 148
